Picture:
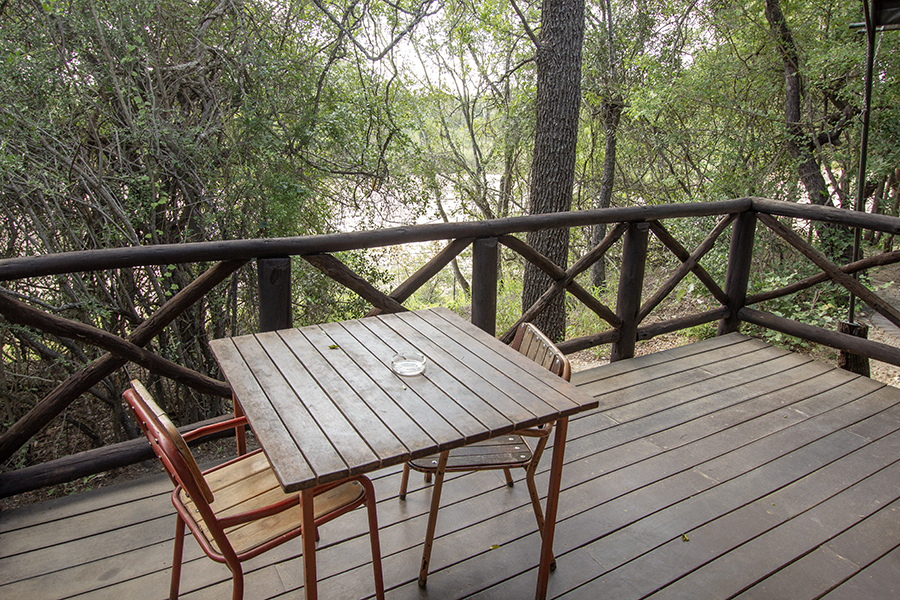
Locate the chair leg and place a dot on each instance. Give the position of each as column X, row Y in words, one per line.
column 374, row 540
column 509, row 479
column 176, row 559
column 237, row 578
column 404, row 481
column 432, row 517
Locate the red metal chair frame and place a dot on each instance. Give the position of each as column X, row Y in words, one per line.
column 531, row 342
column 179, row 463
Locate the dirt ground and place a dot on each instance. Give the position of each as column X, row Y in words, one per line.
column 887, row 284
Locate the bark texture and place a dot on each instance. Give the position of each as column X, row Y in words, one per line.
column 557, row 102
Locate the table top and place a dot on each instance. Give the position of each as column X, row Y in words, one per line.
column 325, row 404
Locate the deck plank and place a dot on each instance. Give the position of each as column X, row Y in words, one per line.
column 881, row 581
column 699, row 476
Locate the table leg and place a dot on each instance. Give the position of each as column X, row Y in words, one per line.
column 556, row 466
column 308, row 536
column 241, row 432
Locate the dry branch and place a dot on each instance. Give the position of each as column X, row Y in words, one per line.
column 70, row 389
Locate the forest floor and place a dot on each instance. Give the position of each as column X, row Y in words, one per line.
column 880, row 329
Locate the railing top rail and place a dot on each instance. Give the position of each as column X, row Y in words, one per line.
column 827, row 214
column 112, row 258
column 248, row 249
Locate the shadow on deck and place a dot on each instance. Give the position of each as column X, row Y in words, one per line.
column 722, row 469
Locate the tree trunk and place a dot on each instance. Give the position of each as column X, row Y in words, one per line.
column 557, row 102
column 610, row 111
column 801, row 142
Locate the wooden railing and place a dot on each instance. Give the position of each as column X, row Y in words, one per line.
column 621, row 327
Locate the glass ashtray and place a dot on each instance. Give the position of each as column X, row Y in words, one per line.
column 408, row 362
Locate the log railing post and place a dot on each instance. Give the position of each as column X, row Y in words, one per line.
column 631, row 283
column 737, row 278
column 274, row 276
column 485, row 254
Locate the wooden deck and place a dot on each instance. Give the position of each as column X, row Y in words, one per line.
column 722, row 469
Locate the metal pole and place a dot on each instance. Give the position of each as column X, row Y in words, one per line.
column 868, row 9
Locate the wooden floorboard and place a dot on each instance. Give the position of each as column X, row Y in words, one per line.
column 717, row 470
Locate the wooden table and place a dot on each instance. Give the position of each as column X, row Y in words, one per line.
column 325, row 404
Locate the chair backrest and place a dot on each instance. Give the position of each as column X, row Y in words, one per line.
column 530, row 341
column 168, row 444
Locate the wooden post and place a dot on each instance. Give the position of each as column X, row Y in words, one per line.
column 485, row 254
column 737, row 277
column 274, row 276
column 855, row 363
column 631, row 283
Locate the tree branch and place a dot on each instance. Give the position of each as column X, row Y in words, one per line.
column 525, row 24
column 418, row 15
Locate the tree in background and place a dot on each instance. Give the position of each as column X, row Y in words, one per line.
column 607, row 109
column 810, row 128
column 470, row 114
column 557, row 104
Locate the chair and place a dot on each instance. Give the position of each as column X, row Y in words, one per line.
column 238, row 510
column 504, row 452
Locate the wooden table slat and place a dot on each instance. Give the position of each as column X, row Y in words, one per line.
column 355, row 375
column 565, row 398
column 304, row 417
column 494, row 388
column 422, row 403
column 485, row 419
column 271, row 432
column 327, row 399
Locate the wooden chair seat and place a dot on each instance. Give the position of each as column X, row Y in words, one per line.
column 249, row 484
column 502, row 452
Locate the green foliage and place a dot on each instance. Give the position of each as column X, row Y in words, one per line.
column 160, row 121
column 323, row 300
column 824, row 305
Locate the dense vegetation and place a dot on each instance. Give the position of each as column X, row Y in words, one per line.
column 162, row 121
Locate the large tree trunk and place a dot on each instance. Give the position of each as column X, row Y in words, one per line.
column 553, row 166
